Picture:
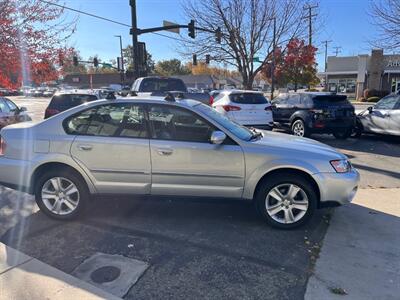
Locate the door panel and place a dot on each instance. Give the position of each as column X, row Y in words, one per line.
column 118, row 165
column 196, row 169
column 112, row 145
column 395, row 121
column 184, row 162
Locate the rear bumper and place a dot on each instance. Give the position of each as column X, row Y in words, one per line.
column 15, row 174
column 332, row 125
column 339, row 188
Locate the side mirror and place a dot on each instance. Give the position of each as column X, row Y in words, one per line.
column 23, row 108
column 370, row 109
column 217, row 137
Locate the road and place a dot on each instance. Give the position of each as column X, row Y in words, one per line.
column 195, row 248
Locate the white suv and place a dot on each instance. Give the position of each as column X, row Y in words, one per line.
column 249, row 108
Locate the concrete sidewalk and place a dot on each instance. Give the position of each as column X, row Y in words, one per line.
column 360, row 257
column 23, row 277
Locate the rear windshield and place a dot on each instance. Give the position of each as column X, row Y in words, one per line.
column 67, row 101
column 162, row 85
column 248, row 98
column 331, row 99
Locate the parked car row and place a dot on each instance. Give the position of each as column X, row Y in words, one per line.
column 10, row 113
column 171, row 146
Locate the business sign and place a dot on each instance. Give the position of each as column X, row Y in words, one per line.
column 393, row 63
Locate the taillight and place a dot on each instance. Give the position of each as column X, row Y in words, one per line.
column 268, row 108
column 211, row 100
column 50, row 112
column 231, row 108
column 2, row 146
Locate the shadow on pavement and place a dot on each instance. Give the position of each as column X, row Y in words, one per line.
column 195, row 248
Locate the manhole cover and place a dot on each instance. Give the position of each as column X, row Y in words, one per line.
column 105, row 274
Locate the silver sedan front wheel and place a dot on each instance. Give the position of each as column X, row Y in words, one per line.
column 286, row 203
column 60, row 195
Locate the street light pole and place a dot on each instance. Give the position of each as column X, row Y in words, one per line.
column 134, row 32
column 122, row 58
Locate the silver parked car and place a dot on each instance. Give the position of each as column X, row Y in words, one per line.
column 382, row 118
column 167, row 147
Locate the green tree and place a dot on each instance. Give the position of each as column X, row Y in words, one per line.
column 128, row 60
column 171, row 67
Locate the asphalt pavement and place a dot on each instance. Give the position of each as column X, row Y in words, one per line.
column 194, row 248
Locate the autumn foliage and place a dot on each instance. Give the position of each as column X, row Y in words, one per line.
column 31, row 38
column 295, row 65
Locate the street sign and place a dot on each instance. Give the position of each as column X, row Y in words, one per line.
column 167, row 23
column 256, row 59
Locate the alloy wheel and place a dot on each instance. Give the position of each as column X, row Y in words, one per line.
column 298, row 128
column 60, row 195
column 286, row 203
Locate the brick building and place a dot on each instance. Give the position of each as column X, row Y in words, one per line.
column 353, row 74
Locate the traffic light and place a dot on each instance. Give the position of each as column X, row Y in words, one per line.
column 75, row 61
column 207, row 59
column 191, row 29
column 218, row 35
column 95, row 62
column 194, row 60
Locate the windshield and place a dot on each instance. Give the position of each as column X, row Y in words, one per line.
column 162, row 85
column 239, row 131
column 248, row 98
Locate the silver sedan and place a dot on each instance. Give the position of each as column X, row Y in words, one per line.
column 167, row 147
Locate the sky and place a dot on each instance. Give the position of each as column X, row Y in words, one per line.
column 345, row 22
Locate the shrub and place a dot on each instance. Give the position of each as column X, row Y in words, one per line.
column 368, row 93
column 373, row 99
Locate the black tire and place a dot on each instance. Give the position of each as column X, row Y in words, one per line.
column 357, row 131
column 286, row 178
column 73, row 177
column 299, row 122
column 342, row 135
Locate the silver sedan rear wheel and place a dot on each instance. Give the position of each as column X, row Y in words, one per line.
column 60, row 196
column 286, row 203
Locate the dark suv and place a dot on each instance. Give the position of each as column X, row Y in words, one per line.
column 307, row 113
column 68, row 99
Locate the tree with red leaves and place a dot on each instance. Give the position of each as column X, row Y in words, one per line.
column 32, row 33
column 296, row 65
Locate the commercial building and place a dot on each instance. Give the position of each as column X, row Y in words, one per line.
column 353, row 74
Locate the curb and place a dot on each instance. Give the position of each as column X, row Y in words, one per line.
column 25, row 278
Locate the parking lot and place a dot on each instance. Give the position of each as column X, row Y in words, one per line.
column 195, row 249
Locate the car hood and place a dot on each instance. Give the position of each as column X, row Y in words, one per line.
column 299, row 144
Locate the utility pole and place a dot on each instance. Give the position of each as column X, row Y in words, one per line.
column 326, row 62
column 337, row 50
column 122, row 59
column 273, row 59
column 309, row 17
column 134, row 32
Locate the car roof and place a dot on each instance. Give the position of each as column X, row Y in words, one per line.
column 147, row 100
column 77, row 91
column 237, row 91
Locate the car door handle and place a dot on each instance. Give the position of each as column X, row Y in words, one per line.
column 164, row 151
column 85, row 147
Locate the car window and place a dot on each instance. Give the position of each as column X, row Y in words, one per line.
column 306, row 101
column 293, row 99
column 388, row 102
column 161, row 85
column 237, row 130
column 11, row 105
column 281, row 99
column 117, row 120
column 248, row 98
column 67, row 101
column 173, row 123
column 4, row 107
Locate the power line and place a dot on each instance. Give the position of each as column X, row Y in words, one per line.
column 337, row 50
column 105, row 19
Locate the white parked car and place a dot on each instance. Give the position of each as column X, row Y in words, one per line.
column 382, row 118
column 248, row 108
